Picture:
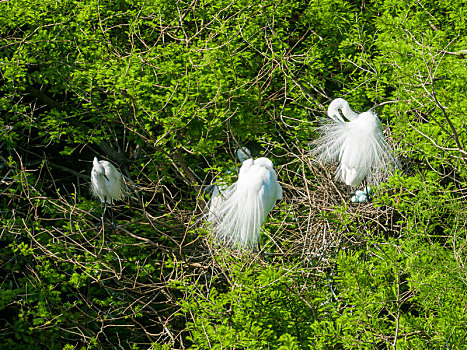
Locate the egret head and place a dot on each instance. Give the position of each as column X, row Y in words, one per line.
column 243, row 153
column 97, row 168
column 334, row 108
column 340, row 105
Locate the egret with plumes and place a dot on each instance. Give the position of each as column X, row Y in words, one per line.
column 237, row 212
column 358, row 145
column 106, row 184
column 216, row 191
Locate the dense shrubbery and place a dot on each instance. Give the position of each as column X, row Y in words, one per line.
column 167, row 91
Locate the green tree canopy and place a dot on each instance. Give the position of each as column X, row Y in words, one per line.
column 167, row 91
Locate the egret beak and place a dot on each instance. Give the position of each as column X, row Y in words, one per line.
column 106, row 177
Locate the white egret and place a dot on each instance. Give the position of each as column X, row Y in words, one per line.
column 107, row 184
column 237, row 212
column 357, row 144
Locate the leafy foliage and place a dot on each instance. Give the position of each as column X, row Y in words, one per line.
column 167, row 91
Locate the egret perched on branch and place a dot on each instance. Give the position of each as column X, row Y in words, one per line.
column 238, row 211
column 357, row 144
column 107, row 184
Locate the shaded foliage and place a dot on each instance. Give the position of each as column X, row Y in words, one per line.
column 167, row 91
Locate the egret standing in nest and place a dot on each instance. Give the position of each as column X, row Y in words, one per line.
column 358, row 145
column 107, row 184
column 238, row 212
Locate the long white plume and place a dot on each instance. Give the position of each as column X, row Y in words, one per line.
column 237, row 213
column 358, row 145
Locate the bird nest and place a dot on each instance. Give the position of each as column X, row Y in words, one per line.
column 313, row 221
